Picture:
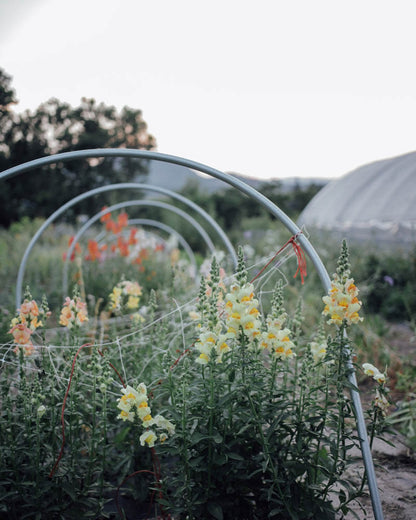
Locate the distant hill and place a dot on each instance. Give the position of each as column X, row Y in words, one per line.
column 175, row 178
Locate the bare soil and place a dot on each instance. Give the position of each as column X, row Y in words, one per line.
column 395, row 465
column 395, row 468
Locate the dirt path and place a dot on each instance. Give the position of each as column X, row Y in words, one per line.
column 395, row 465
column 396, row 478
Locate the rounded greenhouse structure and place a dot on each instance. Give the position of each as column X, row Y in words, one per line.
column 373, row 203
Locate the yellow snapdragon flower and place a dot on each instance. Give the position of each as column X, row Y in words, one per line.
column 341, row 303
column 371, row 370
column 241, row 312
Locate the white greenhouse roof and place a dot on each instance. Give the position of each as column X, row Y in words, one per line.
column 379, row 197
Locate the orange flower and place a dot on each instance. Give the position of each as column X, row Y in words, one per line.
column 94, row 251
column 67, row 316
column 73, row 313
column 144, row 254
column 27, row 349
column 123, row 246
column 21, row 334
column 75, row 251
column 132, row 238
column 29, row 309
column 123, row 220
column 110, row 225
column 106, row 217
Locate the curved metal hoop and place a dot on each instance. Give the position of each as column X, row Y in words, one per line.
column 164, row 227
column 135, row 203
column 110, row 187
column 282, row 217
column 229, row 179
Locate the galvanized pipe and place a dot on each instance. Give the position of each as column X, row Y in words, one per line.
column 164, row 227
column 131, row 203
column 110, row 187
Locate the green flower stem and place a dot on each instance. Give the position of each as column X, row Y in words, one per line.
column 92, row 443
column 171, row 389
column 211, row 409
column 273, row 373
column 340, row 433
column 321, row 429
column 374, row 424
column 184, row 446
column 243, row 343
column 266, row 449
column 104, row 455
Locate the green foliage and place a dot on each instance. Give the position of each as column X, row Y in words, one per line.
column 389, row 284
column 257, row 435
column 231, row 208
column 272, row 435
column 293, row 201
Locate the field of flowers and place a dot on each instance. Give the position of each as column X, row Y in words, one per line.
column 154, row 389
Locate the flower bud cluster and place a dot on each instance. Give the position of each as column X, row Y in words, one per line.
column 134, row 403
column 318, row 350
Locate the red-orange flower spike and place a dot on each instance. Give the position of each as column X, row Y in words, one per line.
column 123, row 220
column 110, row 225
column 132, row 238
column 106, row 217
column 144, row 254
column 75, row 251
column 93, row 250
column 123, row 246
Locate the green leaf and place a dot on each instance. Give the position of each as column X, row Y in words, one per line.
column 215, row 510
column 218, row 438
column 235, row 456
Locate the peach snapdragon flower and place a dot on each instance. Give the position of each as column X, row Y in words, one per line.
column 74, row 313
column 27, row 320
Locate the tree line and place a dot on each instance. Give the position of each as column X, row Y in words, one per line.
column 55, row 127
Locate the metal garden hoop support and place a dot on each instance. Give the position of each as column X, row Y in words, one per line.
column 274, row 210
column 148, row 222
column 164, row 227
column 135, row 203
column 102, row 189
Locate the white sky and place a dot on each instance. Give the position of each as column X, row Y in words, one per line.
column 265, row 88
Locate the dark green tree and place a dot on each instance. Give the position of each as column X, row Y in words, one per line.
column 56, row 127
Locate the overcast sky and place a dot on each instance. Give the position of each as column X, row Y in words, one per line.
column 265, row 88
